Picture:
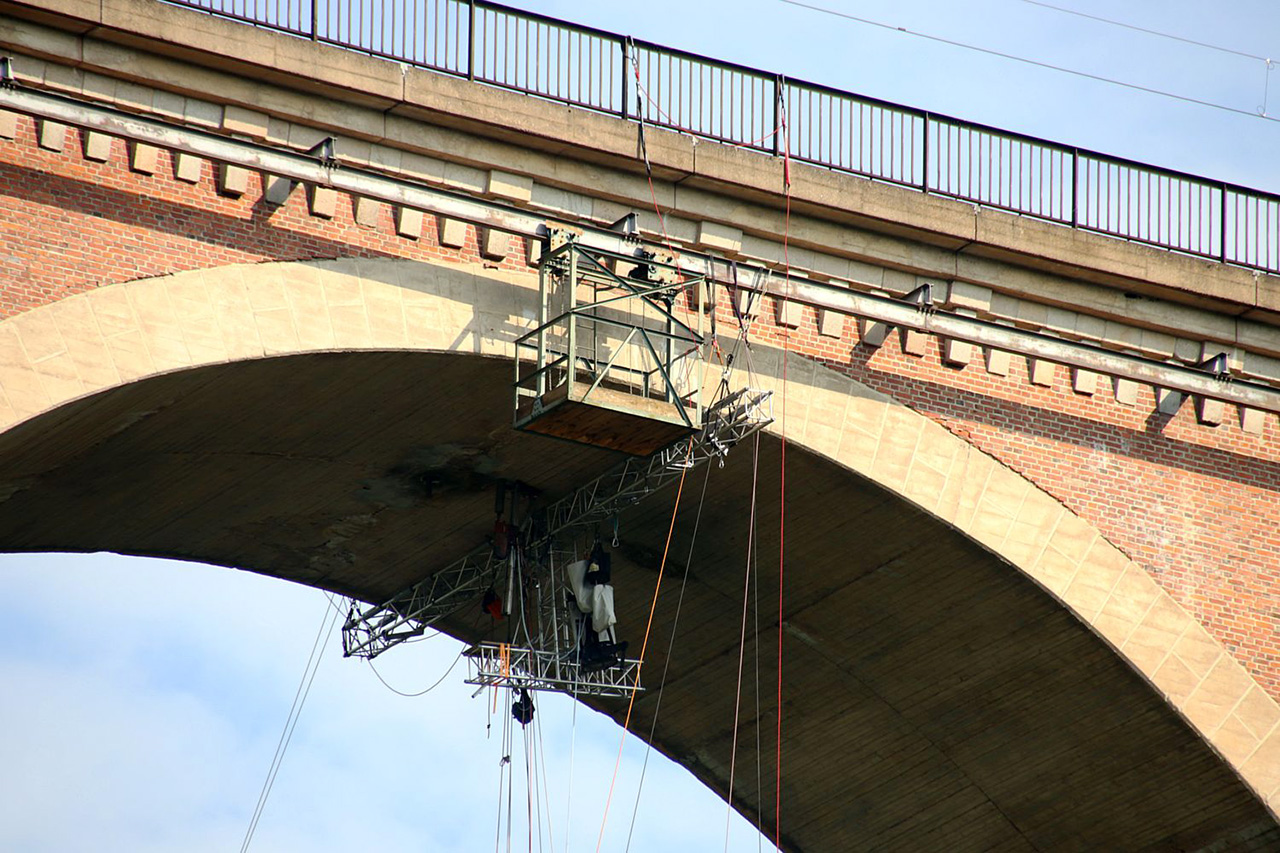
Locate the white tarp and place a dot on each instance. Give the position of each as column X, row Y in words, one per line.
column 596, row 599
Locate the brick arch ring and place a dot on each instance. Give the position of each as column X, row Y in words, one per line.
column 121, row 333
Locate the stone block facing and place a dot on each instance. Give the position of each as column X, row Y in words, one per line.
column 409, row 222
column 233, row 181
column 52, row 135
column 322, row 202
column 143, row 158
column 97, row 146
column 187, row 167
column 506, row 185
column 453, row 233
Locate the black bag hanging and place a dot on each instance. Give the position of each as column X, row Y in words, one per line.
column 599, row 566
column 522, row 708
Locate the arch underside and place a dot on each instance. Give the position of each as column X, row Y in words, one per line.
column 934, row 696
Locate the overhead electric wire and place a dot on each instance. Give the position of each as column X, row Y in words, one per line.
column 1150, row 32
column 291, row 722
column 1035, row 62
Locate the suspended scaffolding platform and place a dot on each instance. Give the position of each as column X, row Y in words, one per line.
column 502, row 665
column 610, row 363
column 371, row 630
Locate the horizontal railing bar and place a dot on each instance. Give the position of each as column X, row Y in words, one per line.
column 586, row 29
column 722, row 64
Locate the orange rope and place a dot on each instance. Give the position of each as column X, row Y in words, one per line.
column 644, row 646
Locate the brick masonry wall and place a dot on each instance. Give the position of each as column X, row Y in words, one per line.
column 1197, row 505
column 70, row 224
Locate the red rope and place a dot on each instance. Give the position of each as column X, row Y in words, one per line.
column 782, row 496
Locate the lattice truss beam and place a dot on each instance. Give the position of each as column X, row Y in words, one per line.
column 503, row 665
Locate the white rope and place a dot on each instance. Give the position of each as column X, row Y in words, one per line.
column 742, row 641
column 424, row 692
column 568, row 800
column 675, row 625
column 291, row 722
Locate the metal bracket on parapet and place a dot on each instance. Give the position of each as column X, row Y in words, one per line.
column 1168, row 401
column 628, row 226
column 736, row 416
column 874, row 332
column 326, row 152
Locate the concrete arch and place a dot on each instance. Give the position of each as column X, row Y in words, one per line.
column 111, row 337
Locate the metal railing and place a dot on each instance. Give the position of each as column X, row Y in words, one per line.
column 637, row 80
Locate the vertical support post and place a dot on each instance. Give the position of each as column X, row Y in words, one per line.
column 315, row 19
column 672, row 397
column 1075, row 187
column 777, row 114
column 924, row 157
column 1222, row 223
column 471, row 39
column 625, row 44
column 543, row 295
column 570, row 303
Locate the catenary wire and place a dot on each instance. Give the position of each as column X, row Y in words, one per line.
column 1149, row 32
column 1028, row 61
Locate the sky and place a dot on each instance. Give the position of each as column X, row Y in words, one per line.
column 143, row 700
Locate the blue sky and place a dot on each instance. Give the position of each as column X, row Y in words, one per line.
column 142, row 700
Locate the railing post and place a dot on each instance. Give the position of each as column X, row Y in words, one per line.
column 1075, row 187
column 1222, row 224
column 471, row 39
column 924, row 157
column 777, row 114
column 625, row 43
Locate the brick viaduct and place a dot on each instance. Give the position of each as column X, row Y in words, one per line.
column 1028, row 608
